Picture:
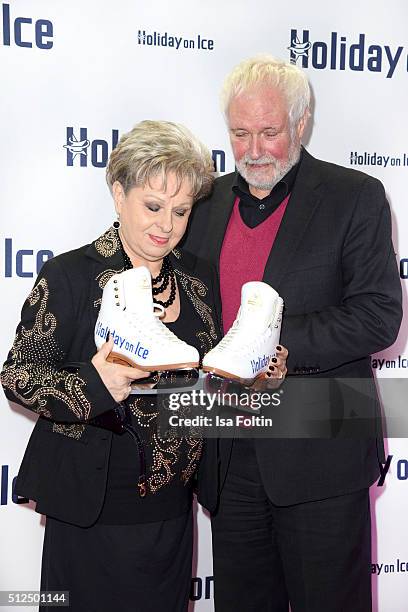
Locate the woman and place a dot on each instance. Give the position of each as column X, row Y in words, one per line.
column 104, row 542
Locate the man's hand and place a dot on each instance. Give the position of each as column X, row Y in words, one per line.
column 116, row 378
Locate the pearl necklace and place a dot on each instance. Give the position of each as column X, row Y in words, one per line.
column 165, row 276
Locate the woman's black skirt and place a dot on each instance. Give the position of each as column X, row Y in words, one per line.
column 125, row 568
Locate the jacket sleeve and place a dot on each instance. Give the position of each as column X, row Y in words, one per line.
column 36, row 374
column 368, row 317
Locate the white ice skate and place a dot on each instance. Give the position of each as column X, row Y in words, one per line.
column 140, row 338
column 244, row 352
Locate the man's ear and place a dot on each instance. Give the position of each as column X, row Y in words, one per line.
column 118, row 196
column 302, row 123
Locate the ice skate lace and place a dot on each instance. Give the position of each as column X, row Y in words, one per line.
column 243, row 343
column 156, row 329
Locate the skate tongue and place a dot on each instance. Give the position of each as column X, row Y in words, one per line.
column 257, row 302
column 138, row 290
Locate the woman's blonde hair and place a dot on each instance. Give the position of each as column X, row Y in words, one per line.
column 157, row 148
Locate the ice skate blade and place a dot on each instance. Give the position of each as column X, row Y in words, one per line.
column 228, row 375
column 122, row 360
column 171, row 378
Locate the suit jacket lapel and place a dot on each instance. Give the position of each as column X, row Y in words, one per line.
column 302, row 204
column 218, row 220
column 197, row 289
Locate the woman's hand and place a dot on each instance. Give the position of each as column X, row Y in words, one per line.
column 116, row 378
column 277, row 365
column 276, row 372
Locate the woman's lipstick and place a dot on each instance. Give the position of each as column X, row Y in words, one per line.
column 158, row 240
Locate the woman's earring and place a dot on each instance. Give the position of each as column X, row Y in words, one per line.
column 116, row 224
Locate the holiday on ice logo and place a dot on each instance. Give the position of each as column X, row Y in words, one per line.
column 339, row 52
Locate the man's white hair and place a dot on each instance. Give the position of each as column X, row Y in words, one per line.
column 264, row 70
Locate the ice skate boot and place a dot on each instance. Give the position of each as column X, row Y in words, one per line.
column 245, row 351
column 140, row 339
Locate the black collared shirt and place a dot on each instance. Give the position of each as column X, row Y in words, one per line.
column 254, row 210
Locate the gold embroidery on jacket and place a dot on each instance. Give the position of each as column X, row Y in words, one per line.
column 193, row 456
column 195, row 289
column 30, row 371
column 73, row 430
column 45, row 323
column 164, row 451
column 143, row 418
column 165, row 455
column 167, row 449
column 108, row 244
column 206, row 342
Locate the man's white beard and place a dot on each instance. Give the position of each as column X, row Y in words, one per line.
column 280, row 168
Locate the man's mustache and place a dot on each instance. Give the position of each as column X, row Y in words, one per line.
column 266, row 159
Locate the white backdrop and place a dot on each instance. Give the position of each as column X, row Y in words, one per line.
column 88, row 71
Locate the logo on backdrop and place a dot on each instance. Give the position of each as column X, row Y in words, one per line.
column 77, row 147
column 25, row 31
column 202, row 588
column 338, row 52
column 82, row 151
column 399, row 469
column 404, row 268
column 166, row 39
column 389, row 364
column 395, row 567
column 24, row 263
column 7, row 494
column 372, row 158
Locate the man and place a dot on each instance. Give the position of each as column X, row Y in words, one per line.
column 293, row 516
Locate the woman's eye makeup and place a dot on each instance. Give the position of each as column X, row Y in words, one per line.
column 180, row 212
column 152, row 207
